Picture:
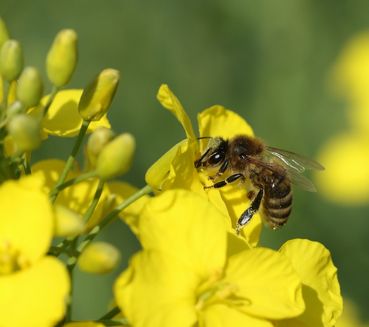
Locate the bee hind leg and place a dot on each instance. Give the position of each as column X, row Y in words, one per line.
column 249, row 212
column 228, row 180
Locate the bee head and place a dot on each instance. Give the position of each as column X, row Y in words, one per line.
column 214, row 155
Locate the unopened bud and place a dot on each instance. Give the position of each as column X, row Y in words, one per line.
column 62, row 57
column 116, row 157
column 97, row 96
column 25, row 131
column 99, row 258
column 67, row 222
column 96, row 142
column 4, row 34
column 30, row 87
column 11, row 60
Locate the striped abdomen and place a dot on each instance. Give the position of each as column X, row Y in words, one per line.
column 277, row 202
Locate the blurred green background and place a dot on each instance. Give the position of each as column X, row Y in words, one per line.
column 268, row 60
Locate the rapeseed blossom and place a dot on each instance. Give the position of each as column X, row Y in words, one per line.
column 189, row 273
column 34, row 287
column 346, row 179
column 175, row 169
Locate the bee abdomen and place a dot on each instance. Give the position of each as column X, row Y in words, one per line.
column 278, row 204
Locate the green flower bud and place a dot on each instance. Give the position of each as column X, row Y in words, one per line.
column 30, row 87
column 62, row 57
column 67, row 222
column 98, row 95
column 25, row 131
column 96, row 142
column 116, row 157
column 4, row 35
column 11, row 60
column 99, row 258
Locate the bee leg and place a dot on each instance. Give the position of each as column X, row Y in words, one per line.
column 249, row 212
column 228, row 180
column 221, row 170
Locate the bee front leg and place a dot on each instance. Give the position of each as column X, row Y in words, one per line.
column 228, row 180
column 249, row 212
column 221, row 170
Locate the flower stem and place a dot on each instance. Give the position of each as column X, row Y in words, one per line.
column 50, row 99
column 112, row 313
column 82, row 132
column 74, row 181
column 110, row 216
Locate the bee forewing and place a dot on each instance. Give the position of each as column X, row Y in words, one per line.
column 300, row 180
column 294, row 160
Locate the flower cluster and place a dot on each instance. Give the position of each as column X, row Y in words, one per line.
column 193, row 269
column 349, row 151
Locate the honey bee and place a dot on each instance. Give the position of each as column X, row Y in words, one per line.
column 270, row 170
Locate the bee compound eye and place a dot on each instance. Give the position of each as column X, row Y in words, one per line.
column 215, row 158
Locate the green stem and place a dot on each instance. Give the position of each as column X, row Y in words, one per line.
column 110, row 216
column 82, row 132
column 112, row 313
column 70, row 266
column 50, row 99
column 74, row 181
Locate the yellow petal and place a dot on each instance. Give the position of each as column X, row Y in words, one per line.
column 220, row 315
column 321, row 290
column 184, row 225
column 131, row 214
column 267, row 282
column 77, row 197
column 169, row 101
column 335, row 182
column 63, row 118
column 26, row 223
column 157, row 292
column 161, row 171
column 36, row 296
column 219, row 121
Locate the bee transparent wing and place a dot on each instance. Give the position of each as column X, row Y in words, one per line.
column 293, row 160
column 300, row 180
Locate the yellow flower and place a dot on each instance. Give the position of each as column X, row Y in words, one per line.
column 320, row 290
column 346, row 179
column 175, row 169
column 184, row 276
column 34, row 287
column 63, row 118
column 77, row 197
column 346, row 156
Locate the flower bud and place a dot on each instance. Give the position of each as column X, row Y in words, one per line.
column 96, row 142
column 30, row 87
column 4, row 35
column 99, row 258
column 98, row 95
column 62, row 57
column 67, row 222
column 116, row 157
column 25, row 131
column 11, row 60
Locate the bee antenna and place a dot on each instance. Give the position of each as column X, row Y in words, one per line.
column 204, row 137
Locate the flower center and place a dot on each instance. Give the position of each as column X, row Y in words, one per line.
column 10, row 259
column 216, row 290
